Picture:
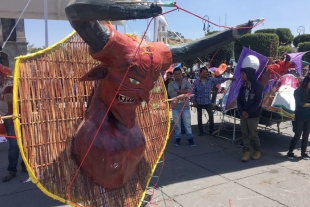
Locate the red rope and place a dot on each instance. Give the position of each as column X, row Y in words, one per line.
column 213, row 56
column 177, row 8
column 71, row 183
column 76, row 173
column 171, row 131
column 10, row 137
column 215, row 23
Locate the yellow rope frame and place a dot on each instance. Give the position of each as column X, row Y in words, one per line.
column 16, row 121
column 17, row 125
column 163, row 149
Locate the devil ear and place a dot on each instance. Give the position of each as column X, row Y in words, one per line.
column 98, row 72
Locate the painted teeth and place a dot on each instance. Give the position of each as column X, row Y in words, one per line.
column 143, row 104
column 125, row 99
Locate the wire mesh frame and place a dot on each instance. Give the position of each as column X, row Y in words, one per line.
column 51, row 102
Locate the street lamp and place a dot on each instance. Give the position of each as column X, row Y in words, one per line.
column 301, row 29
column 204, row 25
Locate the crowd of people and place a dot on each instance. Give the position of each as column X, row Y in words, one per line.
column 6, row 108
column 249, row 104
column 202, row 85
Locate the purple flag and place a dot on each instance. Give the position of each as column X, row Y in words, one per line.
column 236, row 85
column 213, row 69
column 296, row 59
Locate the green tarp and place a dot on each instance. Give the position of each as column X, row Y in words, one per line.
column 305, row 63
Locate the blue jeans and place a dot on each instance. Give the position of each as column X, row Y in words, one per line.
column 186, row 117
column 182, row 125
column 13, row 147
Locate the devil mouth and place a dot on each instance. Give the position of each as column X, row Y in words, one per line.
column 125, row 99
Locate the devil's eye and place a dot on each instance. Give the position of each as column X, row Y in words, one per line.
column 134, row 81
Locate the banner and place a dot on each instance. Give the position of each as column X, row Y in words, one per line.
column 296, row 59
column 236, row 85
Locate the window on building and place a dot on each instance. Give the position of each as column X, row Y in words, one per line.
column 164, row 39
column 163, row 28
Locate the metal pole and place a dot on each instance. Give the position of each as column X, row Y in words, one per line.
column 234, row 132
column 204, row 25
column 8, row 117
column 301, row 29
column 156, row 25
column 225, row 19
column 45, row 21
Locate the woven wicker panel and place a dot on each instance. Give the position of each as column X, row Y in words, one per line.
column 52, row 103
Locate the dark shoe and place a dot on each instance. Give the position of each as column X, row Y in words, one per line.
column 24, row 169
column 177, row 142
column 290, row 155
column 191, row 142
column 200, row 133
column 241, row 145
column 305, row 157
column 10, row 176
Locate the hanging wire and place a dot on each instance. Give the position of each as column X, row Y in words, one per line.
column 7, row 39
column 133, row 32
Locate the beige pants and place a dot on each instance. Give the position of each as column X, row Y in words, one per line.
column 249, row 130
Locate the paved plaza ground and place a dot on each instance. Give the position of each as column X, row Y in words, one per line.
column 208, row 175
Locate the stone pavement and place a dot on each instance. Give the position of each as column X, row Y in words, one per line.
column 210, row 174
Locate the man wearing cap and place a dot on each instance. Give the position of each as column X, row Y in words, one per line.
column 250, row 101
column 202, row 99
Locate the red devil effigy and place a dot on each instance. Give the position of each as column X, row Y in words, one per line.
column 108, row 143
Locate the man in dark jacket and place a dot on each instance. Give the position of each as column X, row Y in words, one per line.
column 168, row 80
column 250, row 101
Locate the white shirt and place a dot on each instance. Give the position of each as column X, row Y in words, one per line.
column 226, row 84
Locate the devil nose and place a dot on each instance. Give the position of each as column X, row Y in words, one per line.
column 144, row 95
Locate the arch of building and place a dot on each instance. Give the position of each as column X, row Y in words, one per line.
column 4, row 59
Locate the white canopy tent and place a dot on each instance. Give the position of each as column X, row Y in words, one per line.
column 38, row 9
column 53, row 10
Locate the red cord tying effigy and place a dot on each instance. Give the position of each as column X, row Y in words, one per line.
column 129, row 67
column 122, row 144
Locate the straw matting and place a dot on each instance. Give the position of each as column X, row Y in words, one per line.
column 51, row 102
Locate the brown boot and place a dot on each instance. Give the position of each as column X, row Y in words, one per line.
column 245, row 157
column 256, row 155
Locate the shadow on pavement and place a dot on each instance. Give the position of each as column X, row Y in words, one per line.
column 219, row 157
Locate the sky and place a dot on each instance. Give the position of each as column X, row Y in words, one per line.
column 278, row 14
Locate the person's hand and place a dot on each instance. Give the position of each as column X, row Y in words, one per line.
column 195, row 103
column 245, row 115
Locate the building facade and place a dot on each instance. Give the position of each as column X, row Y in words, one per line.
column 162, row 33
column 16, row 44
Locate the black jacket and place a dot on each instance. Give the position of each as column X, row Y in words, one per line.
column 300, row 100
column 166, row 85
column 253, row 106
